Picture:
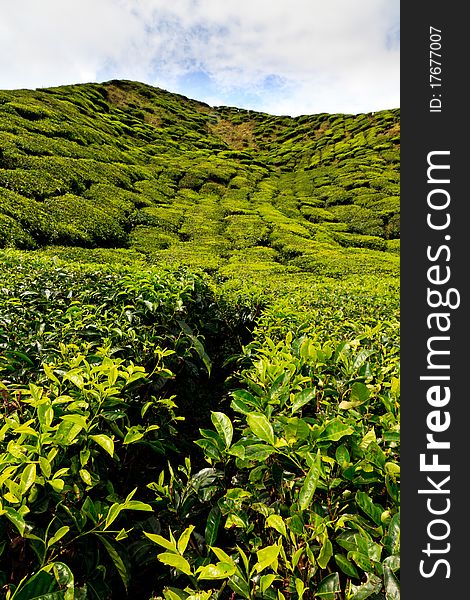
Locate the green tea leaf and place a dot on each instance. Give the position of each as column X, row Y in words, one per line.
column 392, row 469
column 266, row 581
column 59, row 534
column 197, row 345
column 257, row 452
column 360, row 393
column 222, row 555
column 76, row 378
column 392, row 585
column 105, row 442
column 28, row 477
column 117, row 560
column 373, row 585
column 346, row 566
column 210, row 448
column 174, row 594
column 44, row 585
column 374, row 511
column 223, row 426
column 342, row 456
column 329, row 587
column 161, row 541
column 335, row 430
column 261, row 427
column 296, row 556
column 267, row 557
column 134, row 434
column 46, row 468
column 326, row 552
column 362, row 561
column 277, row 523
column 295, row 429
column 16, row 519
column 243, row 401
column 212, row 525
column 57, row 484
column 67, row 432
column 85, row 476
column 77, row 419
column 303, row 398
column 238, row 584
column 219, row 571
column 176, row 561
column 50, row 373
column 299, row 588
column 9, row 497
column 392, row 562
column 310, row 484
column 137, row 505
column 122, row 535
column 392, row 539
column 45, row 415
column 113, row 514
column 184, row 539
column 368, row 439
column 7, row 473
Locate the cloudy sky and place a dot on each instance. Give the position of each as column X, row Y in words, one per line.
column 280, row 56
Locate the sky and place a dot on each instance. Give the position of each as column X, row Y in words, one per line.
column 284, row 57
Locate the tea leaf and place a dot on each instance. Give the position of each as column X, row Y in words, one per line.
column 219, row 571
column 303, row 398
column 176, row 561
column 310, row 484
column 261, row 427
column 184, row 539
column 277, row 522
column 329, row 587
column 105, row 442
column 326, row 552
column 28, row 477
column 161, row 541
column 117, row 560
column 223, row 426
column 59, row 534
column 212, row 525
column 267, row 557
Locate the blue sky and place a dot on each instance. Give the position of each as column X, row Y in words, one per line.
column 279, row 56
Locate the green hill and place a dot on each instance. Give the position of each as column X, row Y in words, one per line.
column 125, row 165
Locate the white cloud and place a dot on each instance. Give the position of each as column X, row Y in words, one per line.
column 328, row 56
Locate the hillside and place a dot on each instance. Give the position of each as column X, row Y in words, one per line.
column 123, row 165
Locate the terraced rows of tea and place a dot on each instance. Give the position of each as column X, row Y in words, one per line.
column 124, row 165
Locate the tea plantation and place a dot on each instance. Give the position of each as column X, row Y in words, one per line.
column 199, row 349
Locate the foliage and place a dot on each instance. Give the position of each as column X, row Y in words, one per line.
column 305, row 476
column 94, row 388
column 121, row 164
column 199, row 349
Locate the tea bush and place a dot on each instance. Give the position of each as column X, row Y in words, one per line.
column 297, row 478
column 84, row 223
column 12, row 234
column 94, row 385
column 121, row 142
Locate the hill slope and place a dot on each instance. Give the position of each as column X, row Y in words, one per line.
column 125, row 165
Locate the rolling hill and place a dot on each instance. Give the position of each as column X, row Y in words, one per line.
column 133, row 172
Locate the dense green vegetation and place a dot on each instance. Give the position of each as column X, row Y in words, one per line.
column 199, row 349
column 124, row 165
